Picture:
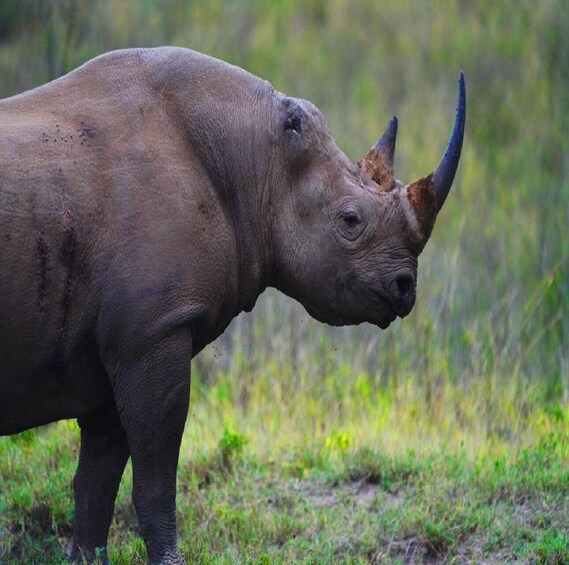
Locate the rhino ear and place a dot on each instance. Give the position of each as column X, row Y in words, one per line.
column 377, row 165
column 293, row 119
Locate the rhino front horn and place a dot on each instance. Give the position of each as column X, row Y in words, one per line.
column 446, row 169
column 428, row 194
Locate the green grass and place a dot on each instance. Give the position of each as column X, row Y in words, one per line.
column 364, row 484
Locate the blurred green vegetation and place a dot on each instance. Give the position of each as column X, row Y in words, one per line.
column 477, row 376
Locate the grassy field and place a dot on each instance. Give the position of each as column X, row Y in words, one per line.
column 275, row 472
column 443, row 439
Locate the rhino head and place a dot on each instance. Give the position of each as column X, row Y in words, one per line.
column 347, row 236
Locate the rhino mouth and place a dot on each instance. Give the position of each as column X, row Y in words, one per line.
column 387, row 311
column 389, row 316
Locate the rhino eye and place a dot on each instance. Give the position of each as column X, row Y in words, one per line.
column 351, row 219
column 293, row 121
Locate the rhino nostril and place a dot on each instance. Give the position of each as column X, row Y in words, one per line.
column 405, row 284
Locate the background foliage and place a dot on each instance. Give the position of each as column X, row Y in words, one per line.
column 484, row 357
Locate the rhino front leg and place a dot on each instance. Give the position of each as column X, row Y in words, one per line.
column 103, row 456
column 152, row 394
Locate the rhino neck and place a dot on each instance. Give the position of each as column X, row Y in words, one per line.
column 221, row 109
column 243, row 197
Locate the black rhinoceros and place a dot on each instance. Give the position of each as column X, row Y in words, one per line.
column 147, row 198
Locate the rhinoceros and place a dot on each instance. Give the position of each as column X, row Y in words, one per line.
column 147, row 198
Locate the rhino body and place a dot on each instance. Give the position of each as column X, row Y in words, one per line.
column 146, row 199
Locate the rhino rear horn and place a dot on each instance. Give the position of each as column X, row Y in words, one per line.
column 385, row 145
column 378, row 163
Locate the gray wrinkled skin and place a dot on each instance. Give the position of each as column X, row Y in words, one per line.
column 146, row 199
